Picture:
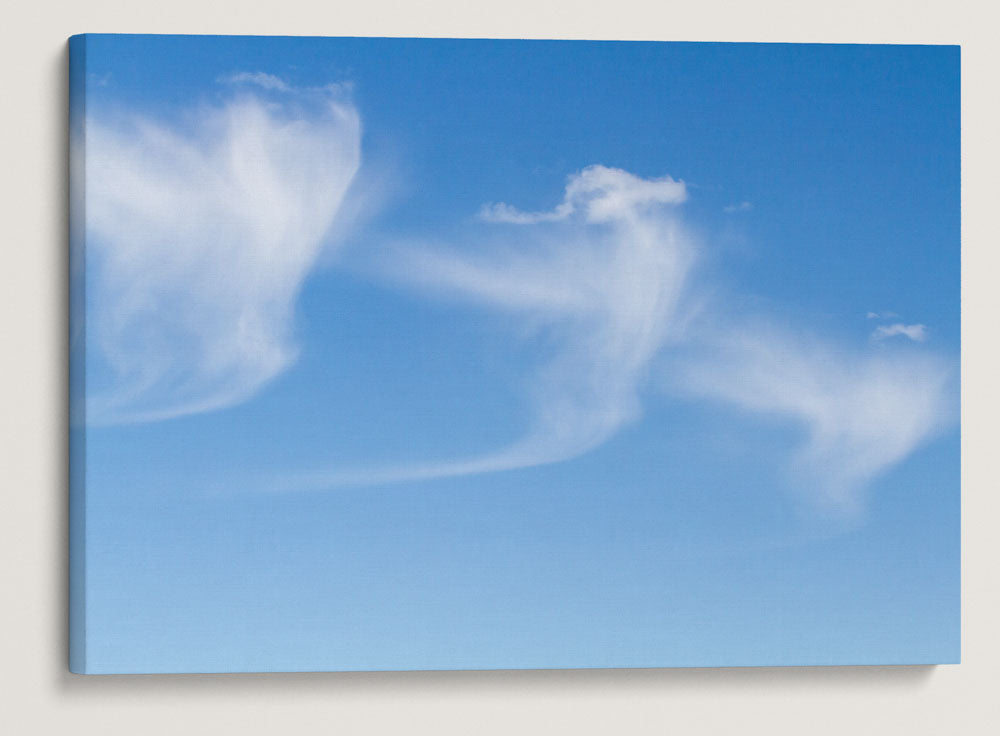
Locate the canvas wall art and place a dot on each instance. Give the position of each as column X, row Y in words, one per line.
column 394, row 354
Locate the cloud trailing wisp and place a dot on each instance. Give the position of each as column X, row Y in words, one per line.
column 200, row 234
column 602, row 276
column 861, row 413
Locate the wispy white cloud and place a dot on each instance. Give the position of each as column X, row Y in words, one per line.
column 200, row 235
column 605, row 288
column 741, row 207
column 917, row 333
column 260, row 79
column 862, row 413
column 272, row 83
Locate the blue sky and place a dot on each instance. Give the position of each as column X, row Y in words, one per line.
column 493, row 354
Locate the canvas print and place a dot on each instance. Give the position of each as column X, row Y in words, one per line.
column 394, row 354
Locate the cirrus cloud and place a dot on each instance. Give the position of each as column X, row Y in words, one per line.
column 602, row 277
column 199, row 237
column 861, row 413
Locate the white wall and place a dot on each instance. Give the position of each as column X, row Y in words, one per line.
column 39, row 696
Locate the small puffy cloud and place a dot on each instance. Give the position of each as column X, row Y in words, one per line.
column 601, row 193
column 741, row 207
column 917, row 333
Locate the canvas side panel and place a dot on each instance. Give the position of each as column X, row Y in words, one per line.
column 77, row 363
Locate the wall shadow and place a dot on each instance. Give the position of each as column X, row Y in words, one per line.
column 59, row 198
column 512, row 682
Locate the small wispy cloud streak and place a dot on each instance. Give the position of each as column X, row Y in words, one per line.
column 917, row 333
column 260, row 79
column 200, row 236
column 741, row 207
